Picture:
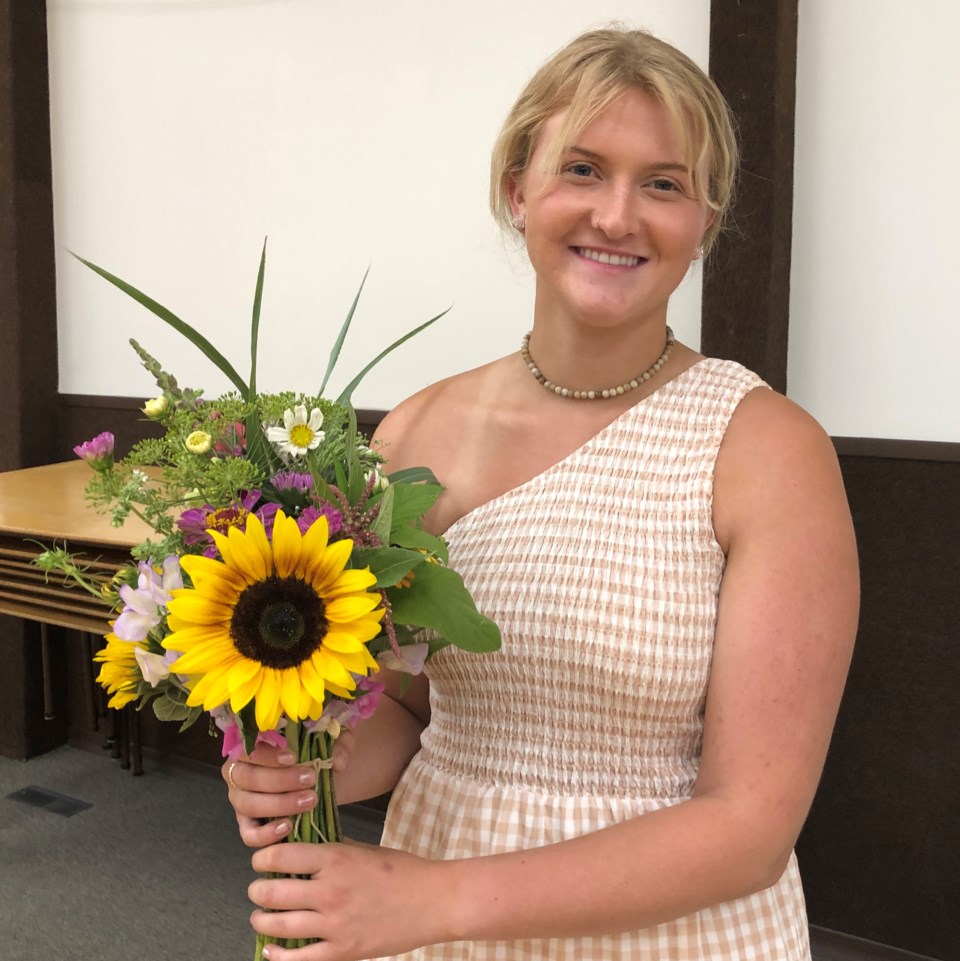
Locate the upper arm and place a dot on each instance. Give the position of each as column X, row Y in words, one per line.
column 786, row 619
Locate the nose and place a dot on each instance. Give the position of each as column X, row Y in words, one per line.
column 617, row 213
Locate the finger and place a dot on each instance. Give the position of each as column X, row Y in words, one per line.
column 256, row 834
column 284, row 894
column 273, row 756
column 293, row 858
column 271, row 806
column 342, row 751
column 247, row 776
column 319, row 951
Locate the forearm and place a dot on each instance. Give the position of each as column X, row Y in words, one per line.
column 383, row 747
column 648, row 870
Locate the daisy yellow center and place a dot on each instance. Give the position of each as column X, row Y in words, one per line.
column 301, row 435
column 279, row 621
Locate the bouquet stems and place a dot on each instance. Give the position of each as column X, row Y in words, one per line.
column 319, row 826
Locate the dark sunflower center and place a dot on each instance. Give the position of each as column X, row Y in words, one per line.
column 279, row 621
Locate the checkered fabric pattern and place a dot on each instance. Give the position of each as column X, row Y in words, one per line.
column 603, row 574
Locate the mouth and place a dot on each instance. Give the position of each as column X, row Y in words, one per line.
column 614, row 260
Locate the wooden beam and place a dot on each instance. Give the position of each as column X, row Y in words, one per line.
column 746, row 289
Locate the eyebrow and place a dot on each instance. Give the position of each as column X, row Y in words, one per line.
column 666, row 165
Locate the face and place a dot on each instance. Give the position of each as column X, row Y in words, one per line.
column 613, row 233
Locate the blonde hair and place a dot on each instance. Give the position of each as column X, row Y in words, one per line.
column 585, row 77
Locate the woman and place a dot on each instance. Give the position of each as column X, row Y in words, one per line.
column 671, row 564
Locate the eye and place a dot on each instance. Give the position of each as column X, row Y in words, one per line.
column 579, row 168
column 661, row 183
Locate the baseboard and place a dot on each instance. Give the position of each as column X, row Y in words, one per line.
column 827, row 945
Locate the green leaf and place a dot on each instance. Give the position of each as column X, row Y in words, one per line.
column 355, row 480
column 255, row 322
column 247, row 716
column 384, row 521
column 182, row 327
column 438, row 600
column 413, row 475
column 390, row 564
column 347, row 393
column 167, row 709
column 417, row 538
column 190, row 719
column 411, row 502
column 338, row 343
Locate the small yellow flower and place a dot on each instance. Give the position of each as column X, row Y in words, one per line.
column 199, row 442
column 156, row 407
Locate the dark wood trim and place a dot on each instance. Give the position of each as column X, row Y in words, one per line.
column 103, row 402
column 890, row 448
column 829, row 945
column 746, row 287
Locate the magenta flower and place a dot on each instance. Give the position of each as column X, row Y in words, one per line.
column 312, row 513
column 226, row 721
column 97, row 452
column 197, row 521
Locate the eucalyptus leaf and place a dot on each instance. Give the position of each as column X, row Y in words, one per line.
column 181, row 326
column 437, row 599
column 389, row 564
column 168, row 709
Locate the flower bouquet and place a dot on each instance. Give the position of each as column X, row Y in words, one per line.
column 287, row 568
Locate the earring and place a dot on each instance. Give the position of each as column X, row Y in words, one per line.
column 519, row 222
column 698, row 253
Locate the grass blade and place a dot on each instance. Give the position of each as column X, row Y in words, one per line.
column 255, row 322
column 347, row 394
column 338, row 344
column 181, row 326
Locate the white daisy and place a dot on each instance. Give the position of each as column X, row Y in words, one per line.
column 298, row 434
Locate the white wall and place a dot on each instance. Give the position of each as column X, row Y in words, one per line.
column 352, row 132
column 875, row 299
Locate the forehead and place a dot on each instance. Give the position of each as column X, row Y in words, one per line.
column 635, row 121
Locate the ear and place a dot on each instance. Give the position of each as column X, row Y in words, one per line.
column 516, row 196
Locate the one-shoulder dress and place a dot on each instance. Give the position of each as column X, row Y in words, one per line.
column 602, row 573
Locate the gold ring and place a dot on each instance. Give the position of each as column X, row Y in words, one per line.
column 230, row 779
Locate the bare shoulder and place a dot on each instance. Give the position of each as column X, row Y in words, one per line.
column 417, row 430
column 775, row 458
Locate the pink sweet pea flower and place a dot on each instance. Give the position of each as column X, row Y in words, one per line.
column 97, row 452
column 411, row 660
column 226, row 721
column 142, row 605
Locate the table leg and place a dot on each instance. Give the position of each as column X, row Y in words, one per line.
column 45, row 667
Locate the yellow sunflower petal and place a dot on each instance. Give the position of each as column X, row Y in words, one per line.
column 316, row 538
column 340, row 610
column 268, row 700
column 190, row 635
column 245, row 691
column 287, row 545
column 312, row 681
column 326, row 568
column 330, row 669
column 247, row 556
column 205, row 659
column 350, row 582
column 339, row 691
column 197, row 608
column 342, row 641
column 290, row 690
column 203, row 569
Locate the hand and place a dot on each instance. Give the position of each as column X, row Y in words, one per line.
column 268, row 786
column 363, row 901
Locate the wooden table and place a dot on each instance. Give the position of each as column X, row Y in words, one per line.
column 43, row 506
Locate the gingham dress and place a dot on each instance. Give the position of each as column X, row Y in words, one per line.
column 602, row 573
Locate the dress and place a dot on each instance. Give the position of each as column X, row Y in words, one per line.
column 603, row 574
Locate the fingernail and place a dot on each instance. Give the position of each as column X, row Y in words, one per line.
column 265, row 952
column 307, row 777
column 286, row 758
column 281, row 828
column 307, row 800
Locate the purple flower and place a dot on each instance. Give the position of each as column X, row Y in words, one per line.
column 313, row 513
column 292, row 480
column 97, row 452
column 197, row 521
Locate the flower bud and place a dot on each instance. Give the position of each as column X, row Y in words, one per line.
column 198, row 442
column 156, row 407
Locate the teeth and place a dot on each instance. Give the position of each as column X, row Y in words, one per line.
column 618, row 260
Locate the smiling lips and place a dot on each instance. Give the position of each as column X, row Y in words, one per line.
column 616, row 260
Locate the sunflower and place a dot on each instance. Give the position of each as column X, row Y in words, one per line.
column 279, row 623
column 120, row 673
